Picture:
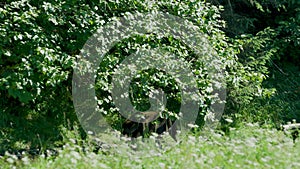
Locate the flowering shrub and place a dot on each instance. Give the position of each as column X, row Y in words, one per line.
column 41, row 42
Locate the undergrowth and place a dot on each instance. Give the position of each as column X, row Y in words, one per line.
column 250, row 146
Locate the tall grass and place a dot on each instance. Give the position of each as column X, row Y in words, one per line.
column 250, row 146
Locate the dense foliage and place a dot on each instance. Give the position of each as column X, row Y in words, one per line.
column 257, row 41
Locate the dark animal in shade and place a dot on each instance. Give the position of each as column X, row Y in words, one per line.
column 147, row 126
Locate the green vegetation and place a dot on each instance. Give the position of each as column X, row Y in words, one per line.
column 257, row 43
column 248, row 147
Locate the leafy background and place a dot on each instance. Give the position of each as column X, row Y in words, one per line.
column 40, row 41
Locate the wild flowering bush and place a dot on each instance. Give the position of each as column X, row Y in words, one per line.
column 41, row 42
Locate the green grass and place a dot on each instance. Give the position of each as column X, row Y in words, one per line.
column 250, row 146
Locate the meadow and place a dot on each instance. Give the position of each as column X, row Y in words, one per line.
column 250, row 146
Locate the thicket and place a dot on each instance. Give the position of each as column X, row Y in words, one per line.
column 282, row 20
column 41, row 40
